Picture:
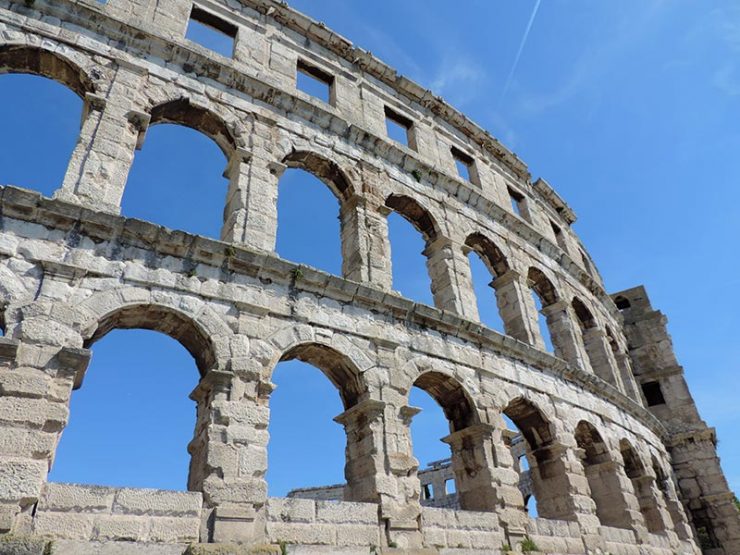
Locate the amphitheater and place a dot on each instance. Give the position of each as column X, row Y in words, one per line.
column 620, row 460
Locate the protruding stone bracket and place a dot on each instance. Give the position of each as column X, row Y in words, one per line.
column 93, row 103
column 239, row 156
column 407, row 414
column 369, row 408
column 475, row 431
column 140, row 122
column 215, row 381
column 276, row 169
column 73, row 362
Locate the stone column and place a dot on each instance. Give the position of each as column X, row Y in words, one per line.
column 657, row 519
column 611, row 490
column 485, row 477
column 100, row 163
column 629, row 384
column 601, row 357
column 675, row 509
column 250, row 215
column 516, row 308
column 565, row 335
column 229, row 454
column 36, row 382
column 380, row 468
column 449, row 272
column 365, row 245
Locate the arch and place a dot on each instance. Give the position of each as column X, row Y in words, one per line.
column 456, row 403
column 39, row 61
column 622, row 302
column 541, row 285
column 182, row 111
column 326, row 170
column 491, row 255
column 642, row 483
column 163, row 319
column 336, row 366
column 534, row 426
column 190, row 321
column 415, row 213
column 583, row 314
column 603, row 480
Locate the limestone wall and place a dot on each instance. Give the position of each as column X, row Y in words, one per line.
column 72, row 269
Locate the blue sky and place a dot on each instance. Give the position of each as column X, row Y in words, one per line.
column 629, row 109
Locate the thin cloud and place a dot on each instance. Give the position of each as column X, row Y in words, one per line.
column 518, row 56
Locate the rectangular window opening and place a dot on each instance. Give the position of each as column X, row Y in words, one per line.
column 399, row 128
column 211, row 31
column 518, row 204
column 450, row 488
column 653, row 393
column 315, row 82
column 465, row 165
column 558, row 235
column 426, row 491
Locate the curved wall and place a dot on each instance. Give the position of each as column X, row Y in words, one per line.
column 72, row 270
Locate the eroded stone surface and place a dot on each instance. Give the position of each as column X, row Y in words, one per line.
column 609, row 473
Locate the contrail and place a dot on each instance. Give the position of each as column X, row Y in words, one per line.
column 519, row 52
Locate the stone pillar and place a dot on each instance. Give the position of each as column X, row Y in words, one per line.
column 611, row 490
column 449, row 272
column 250, row 215
column 565, row 335
column 657, row 519
column 601, row 357
column 516, row 308
column 365, row 245
column 486, row 478
column 380, row 468
column 100, row 163
column 629, row 384
column 229, row 455
column 36, row 382
column 675, row 509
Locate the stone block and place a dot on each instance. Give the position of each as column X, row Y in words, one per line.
column 345, row 512
column 358, row 535
column 76, row 498
column 318, row 534
column 21, row 480
column 157, row 502
column 121, row 528
column 174, row 530
column 64, row 525
column 284, row 509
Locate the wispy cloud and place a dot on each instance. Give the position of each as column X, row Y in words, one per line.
column 458, row 79
column 595, row 62
column 518, row 56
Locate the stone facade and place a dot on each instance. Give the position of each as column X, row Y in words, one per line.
column 603, row 465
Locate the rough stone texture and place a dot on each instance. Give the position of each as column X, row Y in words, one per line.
column 71, row 270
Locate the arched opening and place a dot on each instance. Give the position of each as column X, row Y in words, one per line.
column 411, row 229
column 131, row 423
column 583, row 314
column 302, row 426
column 596, row 343
column 544, row 294
column 642, row 483
column 518, row 446
column 311, row 222
column 487, row 263
column 177, row 176
column 448, row 476
column 537, row 459
column 622, row 303
column 667, row 490
column 603, row 482
column 40, row 109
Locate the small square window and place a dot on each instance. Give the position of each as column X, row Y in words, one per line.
column 399, row 128
column 212, row 32
column 315, row 82
column 519, row 204
column 653, row 393
column 465, row 165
